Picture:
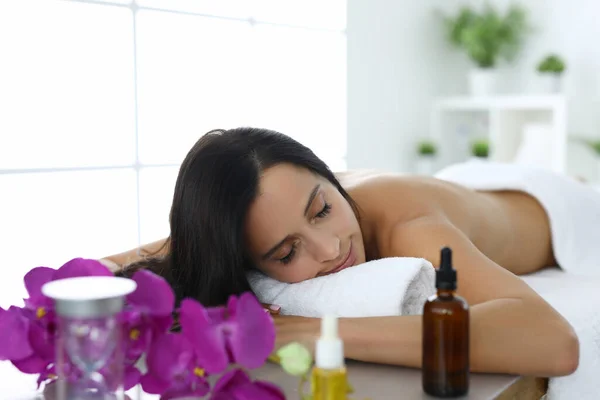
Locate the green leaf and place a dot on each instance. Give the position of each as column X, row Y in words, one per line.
column 480, row 148
column 552, row 64
column 487, row 35
column 427, row 147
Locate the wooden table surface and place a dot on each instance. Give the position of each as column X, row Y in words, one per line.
column 369, row 380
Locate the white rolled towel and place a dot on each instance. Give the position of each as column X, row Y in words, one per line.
column 389, row 286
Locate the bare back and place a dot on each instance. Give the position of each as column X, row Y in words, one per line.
column 510, row 228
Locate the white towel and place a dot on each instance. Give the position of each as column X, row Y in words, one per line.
column 577, row 298
column 389, row 286
column 573, row 207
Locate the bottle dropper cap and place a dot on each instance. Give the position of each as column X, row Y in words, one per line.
column 330, row 348
column 445, row 276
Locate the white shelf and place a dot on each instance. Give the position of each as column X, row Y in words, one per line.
column 507, row 117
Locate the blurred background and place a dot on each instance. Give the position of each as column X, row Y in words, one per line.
column 101, row 100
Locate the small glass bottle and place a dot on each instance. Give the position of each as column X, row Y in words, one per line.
column 329, row 379
column 445, row 365
column 89, row 354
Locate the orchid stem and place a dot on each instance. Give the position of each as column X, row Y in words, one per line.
column 303, row 380
column 274, row 358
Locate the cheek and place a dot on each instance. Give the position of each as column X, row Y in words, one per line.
column 345, row 218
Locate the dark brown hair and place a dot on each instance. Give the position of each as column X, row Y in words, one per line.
column 206, row 256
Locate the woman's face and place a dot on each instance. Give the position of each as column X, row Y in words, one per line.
column 300, row 226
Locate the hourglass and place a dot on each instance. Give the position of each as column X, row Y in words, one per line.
column 89, row 357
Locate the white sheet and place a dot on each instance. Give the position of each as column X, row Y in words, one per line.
column 577, row 298
column 573, row 207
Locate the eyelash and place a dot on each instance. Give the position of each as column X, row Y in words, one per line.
column 321, row 214
column 326, row 210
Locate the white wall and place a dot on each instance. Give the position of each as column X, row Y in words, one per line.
column 394, row 53
column 399, row 60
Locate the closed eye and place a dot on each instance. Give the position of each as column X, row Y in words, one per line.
column 288, row 258
column 323, row 213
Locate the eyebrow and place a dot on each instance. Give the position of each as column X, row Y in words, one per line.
column 311, row 198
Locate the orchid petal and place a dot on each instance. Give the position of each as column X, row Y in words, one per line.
column 153, row 294
column 231, row 379
column 202, row 388
column 132, row 377
column 153, row 384
column 169, row 356
column 35, row 279
column 236, row 385
column 161, row 325
column 258, row 390
column 187, row 392
column 82, row 267
column 254, row 337
column 33, row 364
column 217, row 315
column 14, row 342
column 41, row 341
column 232, row 306
column 207, row 339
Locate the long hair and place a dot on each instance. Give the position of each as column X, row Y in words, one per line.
column 206, row 256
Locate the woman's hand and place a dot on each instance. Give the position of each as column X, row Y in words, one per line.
column 296, row 329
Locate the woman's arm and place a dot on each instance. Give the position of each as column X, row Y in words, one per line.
column 507, row 336
column 512, row 329
column 117, row 261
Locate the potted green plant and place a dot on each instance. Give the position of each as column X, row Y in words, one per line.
column 480, row 149
column 595, row 145
column 487, row 36
column 426, row 157
column 550, row 70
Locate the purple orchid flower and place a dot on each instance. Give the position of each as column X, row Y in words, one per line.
column 27, row 335
column 14, row 335
column 174, row 369
column 236, row 385
column 38, row 277
column 240, row 333
column 147, row 316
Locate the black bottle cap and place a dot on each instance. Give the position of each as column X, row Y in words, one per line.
column 445, row 276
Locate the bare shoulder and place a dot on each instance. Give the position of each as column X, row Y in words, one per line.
column 481, row 279
column 384, row 201
column 370, row 178
column 422, row 237
column 388, row 193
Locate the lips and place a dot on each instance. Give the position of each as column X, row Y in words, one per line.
column 348, row 261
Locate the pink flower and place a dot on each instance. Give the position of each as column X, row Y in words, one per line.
column 147, row 316
column 174, row 369
column 241, row 333
column 236, row 385
column 31, row 330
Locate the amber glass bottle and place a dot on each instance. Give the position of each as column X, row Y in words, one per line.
column 446, row 336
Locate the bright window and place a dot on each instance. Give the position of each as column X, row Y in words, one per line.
column 101, row 100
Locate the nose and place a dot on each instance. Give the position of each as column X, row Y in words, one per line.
column 328, row 248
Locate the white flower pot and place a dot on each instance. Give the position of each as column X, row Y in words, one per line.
column 483, row 82
column 425, row 165
column 477, row 159
column 550, row 83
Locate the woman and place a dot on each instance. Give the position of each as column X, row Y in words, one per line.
column 250, row 198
